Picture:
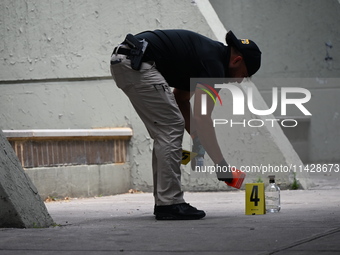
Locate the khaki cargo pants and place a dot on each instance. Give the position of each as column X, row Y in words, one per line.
column 154, row 102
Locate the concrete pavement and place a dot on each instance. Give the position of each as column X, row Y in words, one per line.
column 308, row 223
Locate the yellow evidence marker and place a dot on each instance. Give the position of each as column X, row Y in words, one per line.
column 255, row 199
column 187, row 156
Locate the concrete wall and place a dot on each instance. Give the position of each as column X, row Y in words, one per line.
column 55, row 67
column 74, row 39
column 299, row 39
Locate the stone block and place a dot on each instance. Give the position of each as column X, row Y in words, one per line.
column 20, row 204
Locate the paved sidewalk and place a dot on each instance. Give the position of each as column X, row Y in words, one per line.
column 308, row 223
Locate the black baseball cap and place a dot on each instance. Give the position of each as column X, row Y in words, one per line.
column 249, row 50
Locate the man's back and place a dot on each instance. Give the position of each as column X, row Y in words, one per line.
column 181, row 55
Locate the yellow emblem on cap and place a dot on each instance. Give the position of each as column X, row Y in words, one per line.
column 245, row 41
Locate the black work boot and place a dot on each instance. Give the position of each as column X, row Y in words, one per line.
column 183, row 211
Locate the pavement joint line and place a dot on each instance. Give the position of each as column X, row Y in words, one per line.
column 119, row 250
column 303, row 241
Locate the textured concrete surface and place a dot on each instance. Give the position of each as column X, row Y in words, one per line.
column 55, row 71
column 63, row 178
column 20, row 203
column 308, row 223
column 285, row 30
column 81, row 181
column 298, row 40
column 75, row 39
column 55, row 68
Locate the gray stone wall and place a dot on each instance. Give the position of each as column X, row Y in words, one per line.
column 298, row 39
column 55, row 66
